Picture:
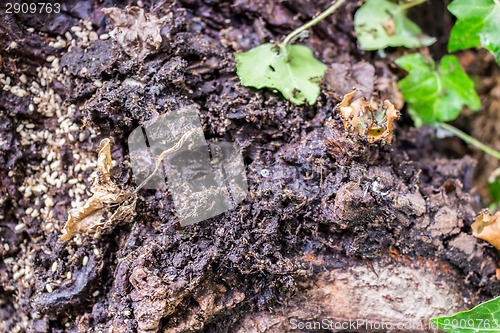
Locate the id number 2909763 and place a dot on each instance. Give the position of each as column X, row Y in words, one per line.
column 32, row 7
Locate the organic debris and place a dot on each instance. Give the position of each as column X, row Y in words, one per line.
column 90, row 218
column 136, row 32
column 368, row 119
column 340, row 79
column 389, row 26
column 487, row 227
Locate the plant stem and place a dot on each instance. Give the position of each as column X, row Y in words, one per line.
column 467, row 138
column 314, row 21
column 412, row 4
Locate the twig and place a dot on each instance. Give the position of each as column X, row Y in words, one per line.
column 414, row 3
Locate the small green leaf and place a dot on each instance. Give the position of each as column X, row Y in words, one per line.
column 477, row 25
column 494, row 189
column 436, row 95
column 483, row 318
column 292, row 70
column 383, row 23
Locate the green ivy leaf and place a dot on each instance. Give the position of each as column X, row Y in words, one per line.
column 494, row 189
column 292, row 70
column 383, row 23
column 483, row 318
column 477, row 25
column 436, row 95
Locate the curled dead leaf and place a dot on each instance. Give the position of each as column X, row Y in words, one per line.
column 487, row 227
column 369, row 120
column 136, row 32
column 90, row 218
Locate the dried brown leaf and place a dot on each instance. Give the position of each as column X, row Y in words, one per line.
column 136, row 32
column 368, row 120
column 90, row 218
column 487, row 227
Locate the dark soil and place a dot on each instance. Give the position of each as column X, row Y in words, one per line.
column 325, row 194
